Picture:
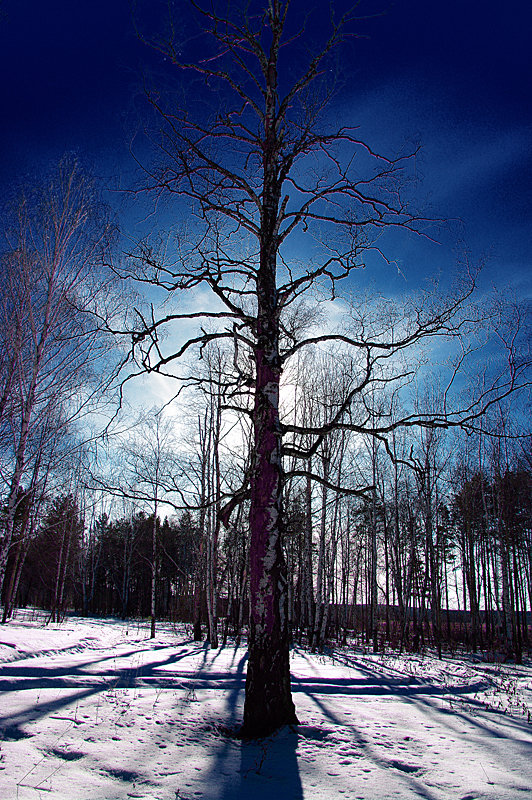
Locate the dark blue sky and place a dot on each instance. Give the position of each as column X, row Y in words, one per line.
column 455, row 75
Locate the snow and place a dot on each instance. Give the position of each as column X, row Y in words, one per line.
column 94, row 709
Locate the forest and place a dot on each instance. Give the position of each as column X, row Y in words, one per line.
column 320, row 464
column 440, row 558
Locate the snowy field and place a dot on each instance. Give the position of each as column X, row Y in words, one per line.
column 94, row 709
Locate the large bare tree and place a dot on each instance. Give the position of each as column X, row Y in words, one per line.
column 255, row 167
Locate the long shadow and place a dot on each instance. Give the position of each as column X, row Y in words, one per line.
column 400, row 688
column 453, row 713
column 20, row 678
column 71, row 649
column 255, row 769
column 157, row 675
column 369, row 752
column 11, row 725
column 417, row 687
column 450, row 718
column 75, row 678
column 13, row 668
column 420, row 696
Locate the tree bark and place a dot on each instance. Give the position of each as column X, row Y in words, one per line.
column 153, row 570
column 268, row 703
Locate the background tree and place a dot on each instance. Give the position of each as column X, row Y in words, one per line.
column 51, row 260
column 149, row 458
column 53, row 555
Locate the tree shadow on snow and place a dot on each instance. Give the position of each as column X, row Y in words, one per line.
column 16, row 677
column 252, row 769
column 431, row 703
column 259, row 769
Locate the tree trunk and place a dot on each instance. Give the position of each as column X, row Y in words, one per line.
column 374, row 621
column 316, row 641
column 307, row 594
column 10, row 589
column 198, row 588
column 153, row 569
column 268, row 703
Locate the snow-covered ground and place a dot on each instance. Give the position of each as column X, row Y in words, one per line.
column 95, row 710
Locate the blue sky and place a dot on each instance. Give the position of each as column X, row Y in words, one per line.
column 455, row 76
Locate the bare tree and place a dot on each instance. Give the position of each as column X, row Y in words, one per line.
column 51, row 258
column 149, row 458
column 261, row 170
column 48, row 460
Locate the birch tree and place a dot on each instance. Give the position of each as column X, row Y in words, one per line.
column 51, row 256
column 255, row 166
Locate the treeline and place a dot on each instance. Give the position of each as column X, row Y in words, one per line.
column 394, row 568
column 104, row 568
